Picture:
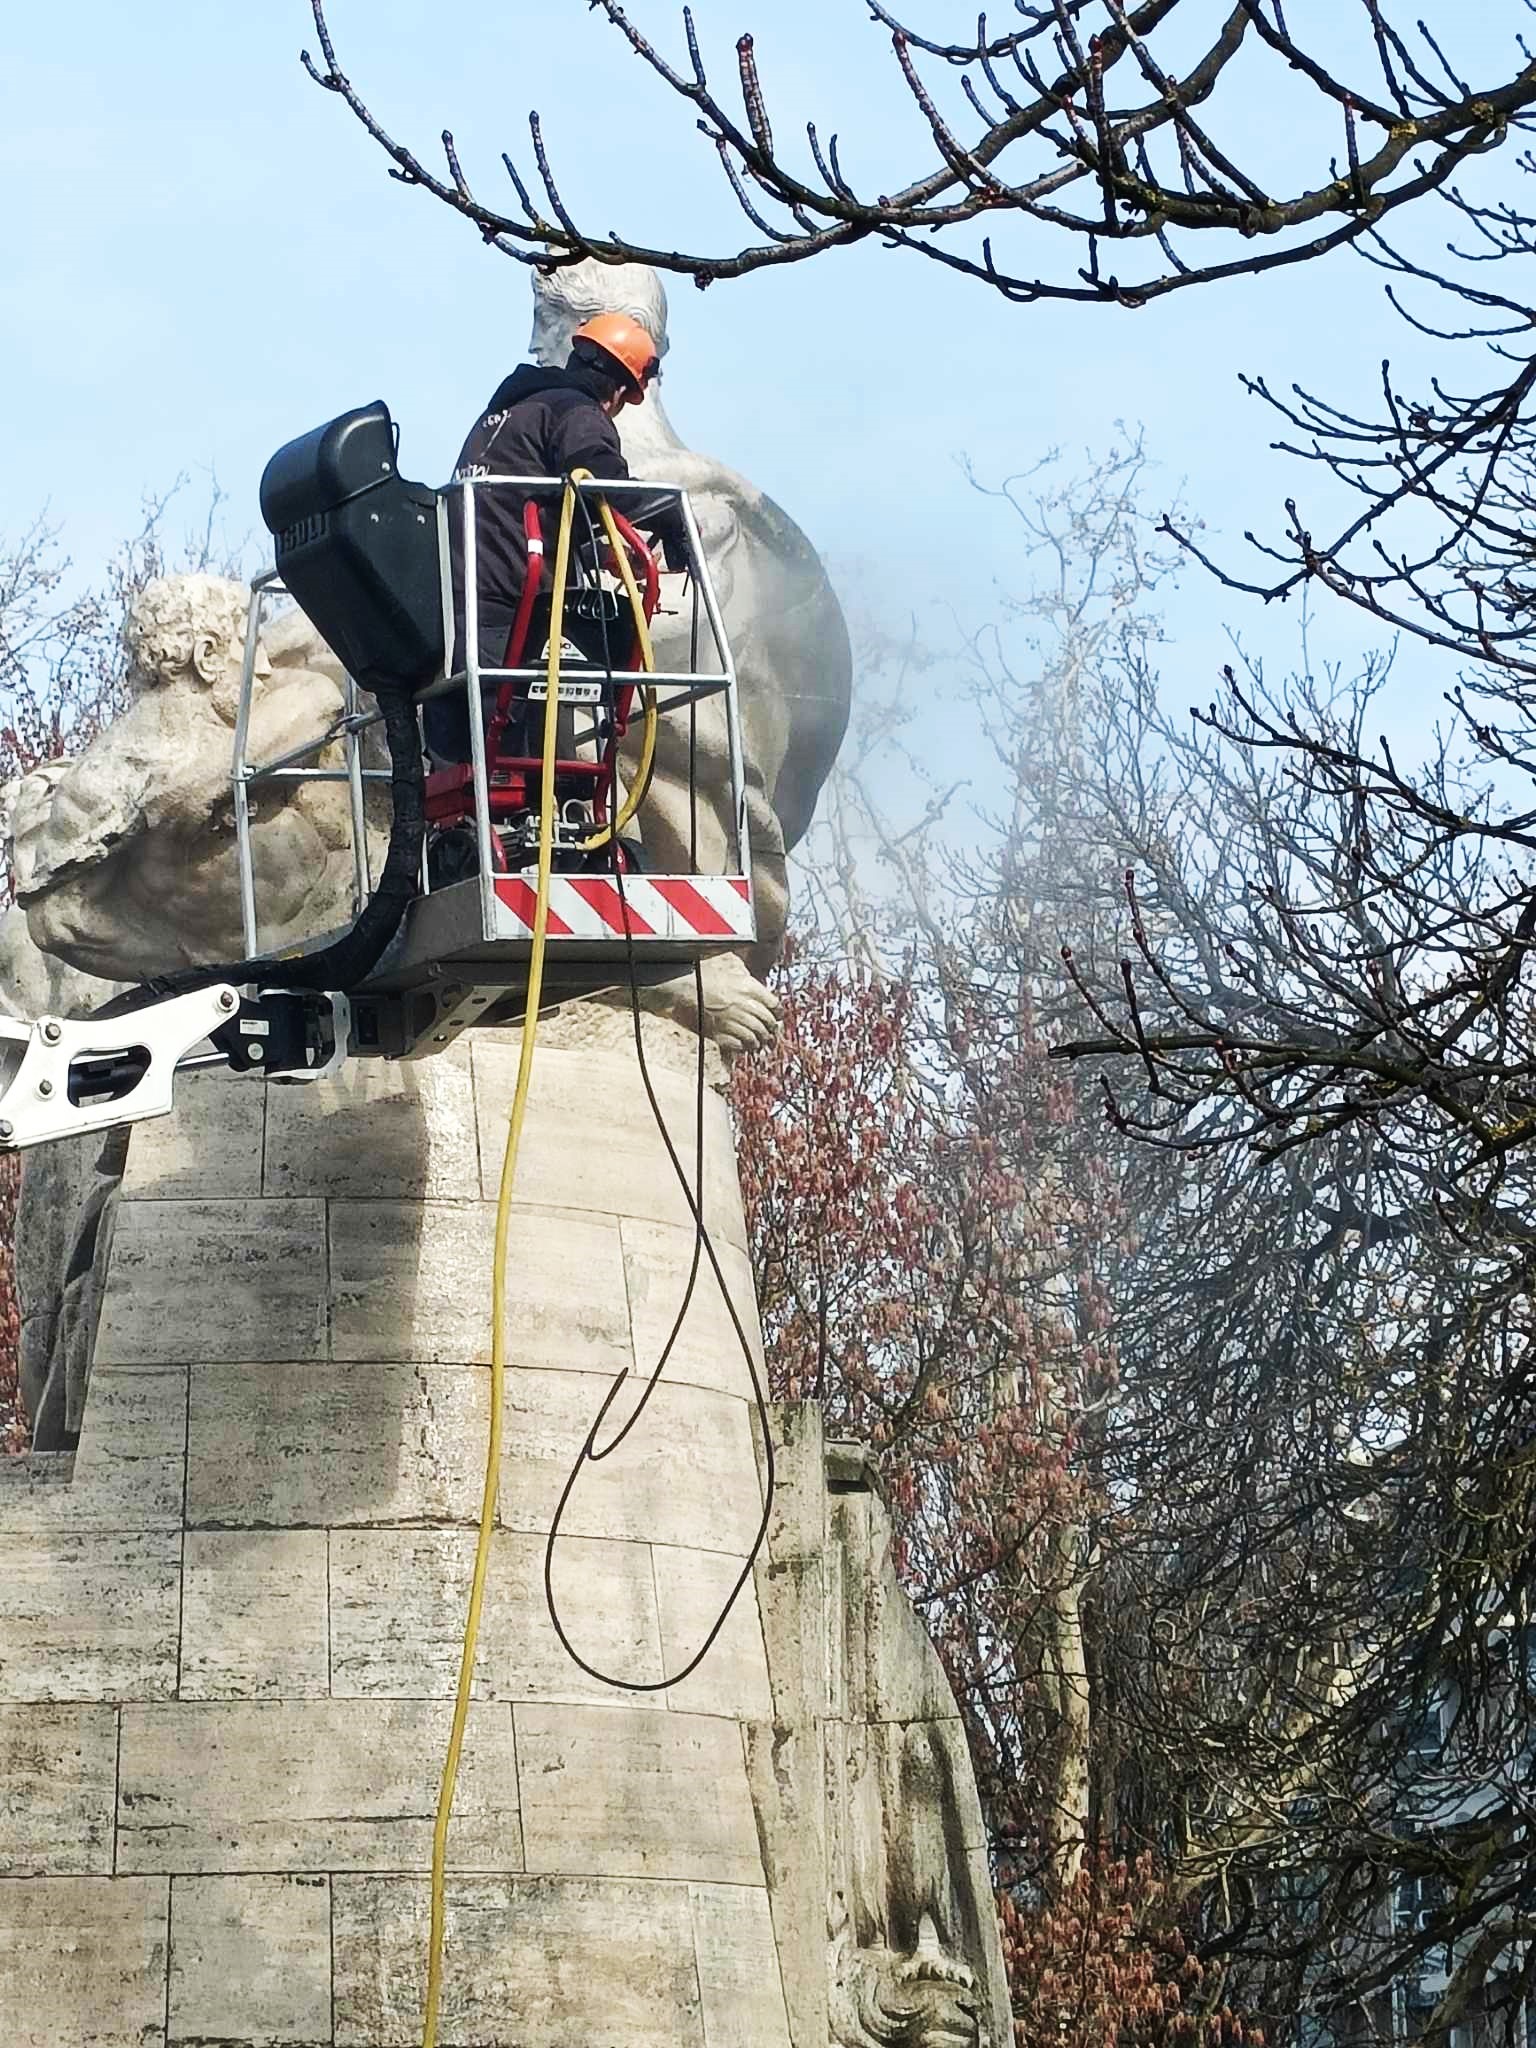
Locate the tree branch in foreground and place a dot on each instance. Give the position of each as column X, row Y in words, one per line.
column 1082, row 120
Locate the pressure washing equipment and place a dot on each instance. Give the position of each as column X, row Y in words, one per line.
column 366, row 554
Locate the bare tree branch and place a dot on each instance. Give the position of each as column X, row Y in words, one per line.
column 1097, row 138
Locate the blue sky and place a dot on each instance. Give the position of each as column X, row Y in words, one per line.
column 204, row 256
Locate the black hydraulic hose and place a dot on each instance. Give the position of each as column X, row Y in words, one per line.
column 353, row 956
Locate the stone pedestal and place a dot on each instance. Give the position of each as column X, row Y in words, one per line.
column 229, row 1632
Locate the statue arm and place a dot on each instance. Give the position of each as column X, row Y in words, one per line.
column 294, row 706
column 147, row 774
column 72, row 813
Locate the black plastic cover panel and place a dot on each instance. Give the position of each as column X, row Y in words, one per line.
column 357, row 546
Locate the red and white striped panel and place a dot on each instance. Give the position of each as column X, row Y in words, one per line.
column 654, row 907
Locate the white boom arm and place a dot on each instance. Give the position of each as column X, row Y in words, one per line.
column 75, row 1077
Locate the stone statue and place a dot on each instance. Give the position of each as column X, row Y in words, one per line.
column 787, row 632
column 123, row 856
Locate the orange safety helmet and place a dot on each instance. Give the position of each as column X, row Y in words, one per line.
column 629, row 345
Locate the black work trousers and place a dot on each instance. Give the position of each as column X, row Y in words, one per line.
column 445, row 721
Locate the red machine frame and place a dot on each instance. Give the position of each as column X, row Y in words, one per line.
column 511, row 779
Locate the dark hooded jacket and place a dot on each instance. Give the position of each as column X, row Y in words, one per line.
column 539, row 423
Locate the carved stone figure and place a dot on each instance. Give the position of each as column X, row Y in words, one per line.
column 124, row 855
column 787, row 633
column 65, row 1209
column 866, row 1801
column 789, row 1853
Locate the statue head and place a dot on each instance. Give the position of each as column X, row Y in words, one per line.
column 564, row 299
column 188, row 632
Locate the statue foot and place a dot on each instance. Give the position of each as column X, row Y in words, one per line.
column 739, row 1014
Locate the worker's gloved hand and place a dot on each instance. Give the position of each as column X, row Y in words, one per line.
column 670, row 536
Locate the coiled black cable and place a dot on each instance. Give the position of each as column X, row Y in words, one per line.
column 703, row 1247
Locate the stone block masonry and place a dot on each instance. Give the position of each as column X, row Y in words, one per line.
column 229, row 1631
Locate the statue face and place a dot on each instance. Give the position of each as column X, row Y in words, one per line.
column 553, row 326
column 562, row 302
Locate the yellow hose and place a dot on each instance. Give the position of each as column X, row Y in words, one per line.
column 499, row 1281
column 642, row 782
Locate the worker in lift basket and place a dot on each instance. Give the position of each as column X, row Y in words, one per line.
column 544, row 423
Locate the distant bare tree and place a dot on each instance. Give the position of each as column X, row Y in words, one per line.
column 1295, row 1521
column 1375, row 976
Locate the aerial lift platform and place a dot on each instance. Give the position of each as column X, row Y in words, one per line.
column 367, row 556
